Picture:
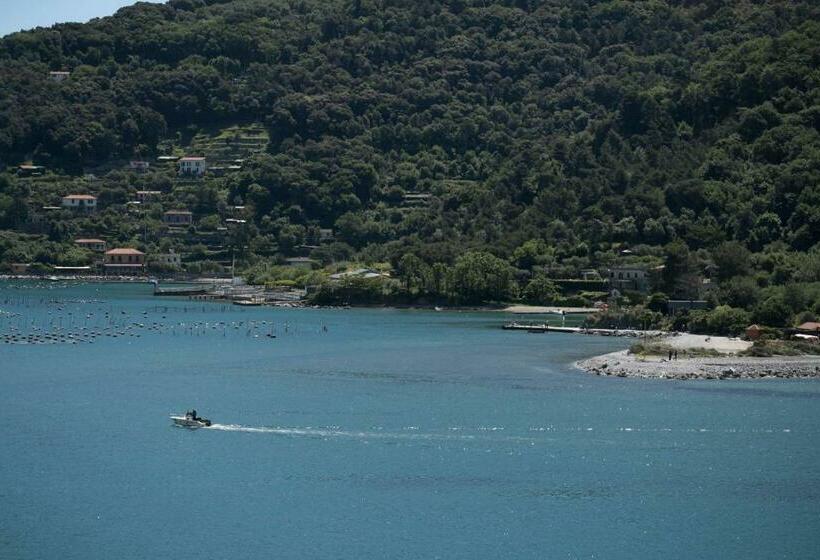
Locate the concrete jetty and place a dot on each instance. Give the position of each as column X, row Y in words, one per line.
column 545, row 328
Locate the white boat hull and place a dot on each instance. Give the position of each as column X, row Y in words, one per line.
column 190, row 422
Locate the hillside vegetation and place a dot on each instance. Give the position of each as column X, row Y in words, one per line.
column 549, row 136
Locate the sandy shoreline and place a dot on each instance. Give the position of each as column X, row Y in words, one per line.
column 726, row 366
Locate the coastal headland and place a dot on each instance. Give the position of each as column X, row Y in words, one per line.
column 701, row 357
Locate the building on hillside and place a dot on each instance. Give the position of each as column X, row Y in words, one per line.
column 26, row 170
column 416, row 199
column 193, row 165
column 58, row 75
column 167, row 159
column 84, row 202
column 124, row 261
column 140, row 166
column 96, row 245
column 167, row 259
column 19, row 268
column 809, row 327
column 629, row 278
column 178, row 218
column 148, row 196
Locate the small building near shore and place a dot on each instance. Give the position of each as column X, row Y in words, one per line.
column 96, row 245
column 629, row 278
column 19, row 268
column 124, row 261
column 167, row 259
column 178, row 218
column 753, row 332
column 809, row 327
column 84, row 202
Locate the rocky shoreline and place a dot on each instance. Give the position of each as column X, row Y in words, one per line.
column 623, row 364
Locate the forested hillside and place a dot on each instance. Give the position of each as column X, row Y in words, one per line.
column 551, row 134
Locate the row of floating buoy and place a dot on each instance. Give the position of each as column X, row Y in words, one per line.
column 75, row 320
column 75, row 334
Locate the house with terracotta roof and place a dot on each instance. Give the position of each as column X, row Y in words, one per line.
column 125, row 261
column 97, row 245
column 85, row 202
column 809, row 327
column 192, row 165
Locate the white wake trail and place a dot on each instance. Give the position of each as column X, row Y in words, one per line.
column 335, row 433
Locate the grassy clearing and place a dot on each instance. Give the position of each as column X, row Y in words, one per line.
column 766, row 348
column 661, row 349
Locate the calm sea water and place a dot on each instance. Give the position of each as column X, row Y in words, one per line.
column 377, row 434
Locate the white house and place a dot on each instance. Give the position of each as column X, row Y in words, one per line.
column 85, row 202
column 191, row 165
column 58, row 76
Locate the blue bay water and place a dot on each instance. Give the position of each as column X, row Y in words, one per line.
column 377, row 434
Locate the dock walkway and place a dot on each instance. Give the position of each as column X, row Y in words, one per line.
column 545, row 328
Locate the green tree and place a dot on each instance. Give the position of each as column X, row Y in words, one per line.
column 541, row 291
column 480, row 277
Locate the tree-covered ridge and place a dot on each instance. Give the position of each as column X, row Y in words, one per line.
column 586, row 126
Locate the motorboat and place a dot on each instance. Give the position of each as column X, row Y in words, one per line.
column 190, row 420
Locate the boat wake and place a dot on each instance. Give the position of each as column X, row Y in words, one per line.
column 326, row 433
column 485, row 434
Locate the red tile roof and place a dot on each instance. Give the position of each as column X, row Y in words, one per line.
column 124, row 251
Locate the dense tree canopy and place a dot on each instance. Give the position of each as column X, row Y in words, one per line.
column 551, row 134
